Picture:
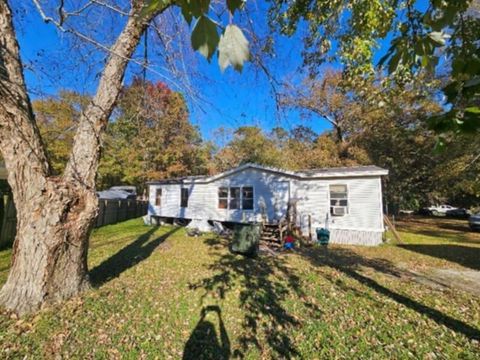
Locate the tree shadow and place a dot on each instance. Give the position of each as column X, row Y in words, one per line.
column 262, row 284
column 204, row 342
column 458, row 237
column 467, row 256
column 446, row 228
column 348, row 262
column 130, row 255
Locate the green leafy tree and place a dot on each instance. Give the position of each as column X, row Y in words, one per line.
column 153, row 135
column 301, row 148
column 351, row 31
column 249, row 145
column 383, row 124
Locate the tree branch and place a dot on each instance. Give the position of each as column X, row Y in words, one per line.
column 110, row 50
column 83, row 163
column 20, row 141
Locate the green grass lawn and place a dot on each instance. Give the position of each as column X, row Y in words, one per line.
column 158, row 293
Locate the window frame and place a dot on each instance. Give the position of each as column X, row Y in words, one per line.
column 338, row 199
column 183, row 200
column 237, row 199
column 223, row 198
column 228, row 199
column 158, row 197
column 252, row 198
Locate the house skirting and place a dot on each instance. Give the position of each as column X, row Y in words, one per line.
column 355, row 237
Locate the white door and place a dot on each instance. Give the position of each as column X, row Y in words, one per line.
column 280, row 198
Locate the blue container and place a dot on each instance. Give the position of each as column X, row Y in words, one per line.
column 323, row 236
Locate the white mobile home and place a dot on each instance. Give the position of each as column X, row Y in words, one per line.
column 347, row 201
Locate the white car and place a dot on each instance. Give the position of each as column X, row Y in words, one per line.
column 441, row 209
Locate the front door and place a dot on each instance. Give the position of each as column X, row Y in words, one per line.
column 280, row 198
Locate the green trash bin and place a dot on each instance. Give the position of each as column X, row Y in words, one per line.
column 323, row 236
column 246, row 239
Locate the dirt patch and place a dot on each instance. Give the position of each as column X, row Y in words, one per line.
column 436, row 278
column 466, row 280
column 164, row 246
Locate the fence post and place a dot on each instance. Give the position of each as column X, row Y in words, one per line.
column 104, row 212
column 117, row 212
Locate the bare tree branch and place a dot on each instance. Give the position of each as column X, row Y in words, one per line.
column 83, row 162
column 62, row 27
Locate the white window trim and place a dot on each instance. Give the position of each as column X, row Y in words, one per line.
column 228, row 187
column 218, row 198
column 239, row 198
column 155, row 197
column 348, row 201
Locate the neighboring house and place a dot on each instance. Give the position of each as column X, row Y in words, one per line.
column 132, row 190
column 3, row 171
column 348, row 201
column 116, row 193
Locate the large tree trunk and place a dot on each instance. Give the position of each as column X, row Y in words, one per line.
column 49, row 257
column 54, row 214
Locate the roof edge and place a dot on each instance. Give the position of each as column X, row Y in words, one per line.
column 342, row 172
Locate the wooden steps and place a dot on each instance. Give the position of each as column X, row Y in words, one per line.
column 271, row 235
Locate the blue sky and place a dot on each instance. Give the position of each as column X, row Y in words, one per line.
column 232, row 99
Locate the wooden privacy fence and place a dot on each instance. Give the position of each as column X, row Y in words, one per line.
column 114, row 211
column 109, row 212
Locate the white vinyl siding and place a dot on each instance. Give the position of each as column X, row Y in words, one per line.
column 364, row 204
column 312, row 197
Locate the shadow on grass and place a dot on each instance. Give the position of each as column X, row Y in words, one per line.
column 456, row 237
column 204, row 342
column 467, row 256
column 443, row 228
column 135, row 252
column 348, row 262
column 261, row 284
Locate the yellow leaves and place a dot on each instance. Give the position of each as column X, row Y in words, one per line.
column 153, row 135
column 57, row 118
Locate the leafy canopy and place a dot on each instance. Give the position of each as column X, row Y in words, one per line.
column 441, row 39
column 153, row 135
column 231, row 44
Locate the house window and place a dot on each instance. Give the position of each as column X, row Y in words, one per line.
column 247, row 198
column 223, row 198
column 234, row 198
column 158, row 197
column 184, row 198
column 338, row 200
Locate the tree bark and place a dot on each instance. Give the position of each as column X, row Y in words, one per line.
column 49, row 256
column 54, row 214
column 85, row 156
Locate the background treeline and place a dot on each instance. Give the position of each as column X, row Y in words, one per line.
column 150, row 136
